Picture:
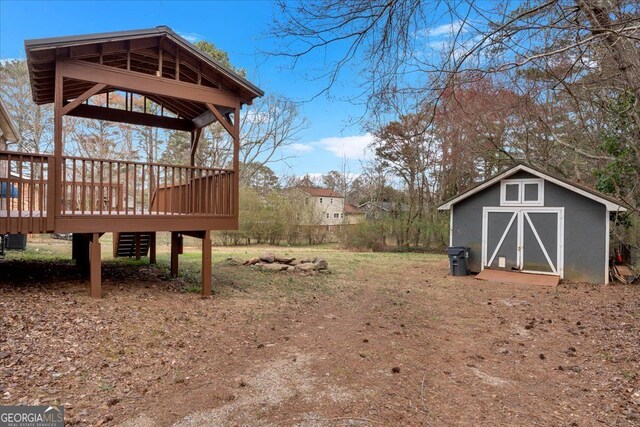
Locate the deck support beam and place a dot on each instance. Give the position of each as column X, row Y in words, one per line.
column 144, row 83
column 131, row 117
column 206, row 264
column 175, row 250
column 152, row 248
column 195, row 138
column 80, row 253
column 137, row 241
column 66, row 109
column 95, row 266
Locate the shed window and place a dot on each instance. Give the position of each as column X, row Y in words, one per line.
column 531, row 192
column 512, row 193
column 518, row 192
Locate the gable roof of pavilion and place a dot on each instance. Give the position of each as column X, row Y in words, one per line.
column 143, row 46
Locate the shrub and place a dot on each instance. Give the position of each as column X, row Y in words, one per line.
column 366, row 235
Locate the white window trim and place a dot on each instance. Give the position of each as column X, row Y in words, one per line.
column 520, row 183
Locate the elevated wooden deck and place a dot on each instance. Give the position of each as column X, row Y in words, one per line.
column 88, row 197
column 112, row 196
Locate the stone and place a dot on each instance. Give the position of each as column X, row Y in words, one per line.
column 307, row 267
column 291, row 269
column 233, row 261
column 268, row 257
column 273, row 266
column 284, row 259
column 295, row 262
column 252, row 261
column 321, row 264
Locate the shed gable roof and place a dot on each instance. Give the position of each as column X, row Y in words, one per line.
column 610, row 203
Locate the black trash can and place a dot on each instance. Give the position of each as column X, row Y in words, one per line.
column 458, row 256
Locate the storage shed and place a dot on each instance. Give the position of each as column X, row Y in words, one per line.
column 527, row 220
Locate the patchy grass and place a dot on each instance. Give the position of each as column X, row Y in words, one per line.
column 385, row 339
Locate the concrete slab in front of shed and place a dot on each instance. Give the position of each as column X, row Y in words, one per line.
column 518, row 278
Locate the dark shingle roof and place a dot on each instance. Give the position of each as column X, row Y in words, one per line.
column 320, row 192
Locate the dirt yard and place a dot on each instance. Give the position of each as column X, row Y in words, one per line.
column 385, row 339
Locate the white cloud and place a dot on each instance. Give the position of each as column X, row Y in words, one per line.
column 4, row 61
column 191, row 37
column 350, row 147
column 300, row 148
column 447, row 29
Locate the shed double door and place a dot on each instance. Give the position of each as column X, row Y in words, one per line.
column 525, row 239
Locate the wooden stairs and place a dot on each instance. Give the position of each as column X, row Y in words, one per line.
column 134, row 245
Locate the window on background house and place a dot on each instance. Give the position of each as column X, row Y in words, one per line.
column 335, row 216
column 341, row 215
column 327, row 215
column 320, row 199
column 331, row 201
column 306, row 201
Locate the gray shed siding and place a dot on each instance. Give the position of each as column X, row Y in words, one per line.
column 585, row 225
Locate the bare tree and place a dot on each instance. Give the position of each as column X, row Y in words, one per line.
column 567, row 62
column 391, row 42
column 268, row 126
column 34, row 122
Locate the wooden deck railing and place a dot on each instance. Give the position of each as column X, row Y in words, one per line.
column 24, row 190
column 114, row 187
column 92, row 188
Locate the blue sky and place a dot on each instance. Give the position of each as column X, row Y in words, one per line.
column 240, row 29
column 237, row 27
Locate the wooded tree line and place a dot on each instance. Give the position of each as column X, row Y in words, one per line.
column 458, row 91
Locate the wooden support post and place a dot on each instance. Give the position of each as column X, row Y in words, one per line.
column 175, row 246
column 80, row 253
column 75, row 246
column 58, row 146
column 137, row 246
column 95, row 267
column 152, row 248
column 236, row 160
column 116, row 237
column 206, row 264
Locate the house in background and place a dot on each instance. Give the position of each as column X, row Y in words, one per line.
column 322, row 207
column 320, row 213
column 353, row 214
